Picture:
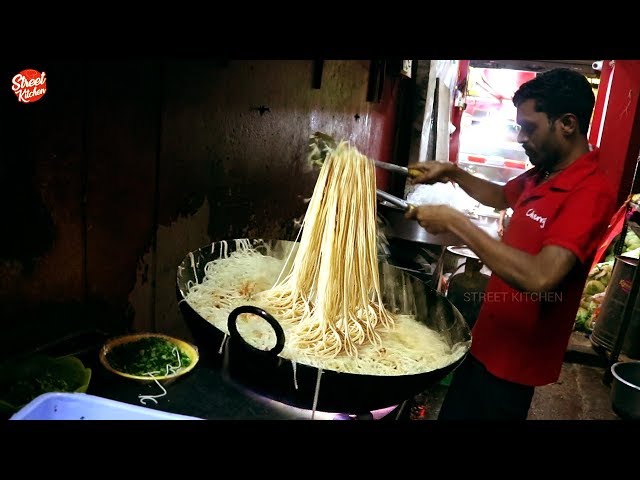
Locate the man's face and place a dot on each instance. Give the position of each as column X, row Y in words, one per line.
column 537, row 135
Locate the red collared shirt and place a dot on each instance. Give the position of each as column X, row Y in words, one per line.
column 521, row 336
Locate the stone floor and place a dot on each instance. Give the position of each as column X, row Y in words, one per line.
column 579, row 394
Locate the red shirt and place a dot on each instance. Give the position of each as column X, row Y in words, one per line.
column 522, row 337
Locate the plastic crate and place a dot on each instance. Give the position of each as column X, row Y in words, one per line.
column 82, row 406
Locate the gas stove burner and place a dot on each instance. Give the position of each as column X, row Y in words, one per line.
column 375, row 415
column 317, row 415
column 309, row 414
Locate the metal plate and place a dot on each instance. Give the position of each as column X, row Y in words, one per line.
column 463, row 252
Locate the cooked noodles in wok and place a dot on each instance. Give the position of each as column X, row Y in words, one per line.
column 327, row 294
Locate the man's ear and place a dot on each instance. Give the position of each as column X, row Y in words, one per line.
column 569, row 123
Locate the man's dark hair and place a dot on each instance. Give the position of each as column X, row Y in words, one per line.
column 557, row 92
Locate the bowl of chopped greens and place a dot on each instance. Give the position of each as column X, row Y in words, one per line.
column 22, row 380
column 148, row 357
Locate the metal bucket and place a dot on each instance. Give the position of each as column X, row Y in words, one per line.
column 607, row 326
column 625, row 390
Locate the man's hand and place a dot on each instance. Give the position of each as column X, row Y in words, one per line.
column 484, row 191
column 431, row 172
column 434, row 219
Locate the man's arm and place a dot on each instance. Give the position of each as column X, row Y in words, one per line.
column 484, row 191
column 530, row 273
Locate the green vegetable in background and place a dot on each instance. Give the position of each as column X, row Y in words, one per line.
column 26, row 389
column 147, row 355
column 582, row 315
column 631, row 241
column 593, row 287
column 24, row 379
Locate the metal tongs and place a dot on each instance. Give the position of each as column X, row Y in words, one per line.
column 392, row 167
column 395, row 201
column 320, row 144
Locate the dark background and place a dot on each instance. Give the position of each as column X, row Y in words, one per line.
column 125, row 166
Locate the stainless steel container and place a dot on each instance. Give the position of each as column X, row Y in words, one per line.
column 400, row 227
column 411, row 230
column 625, row 390
column 607, row 327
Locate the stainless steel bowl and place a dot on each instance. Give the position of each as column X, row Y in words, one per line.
column 625, row 389
column 400, row 227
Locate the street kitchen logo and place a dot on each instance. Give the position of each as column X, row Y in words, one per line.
column 29, row 85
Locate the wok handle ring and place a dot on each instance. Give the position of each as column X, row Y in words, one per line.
column 277, row 328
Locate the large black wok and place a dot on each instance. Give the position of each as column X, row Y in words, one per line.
column 270, row 375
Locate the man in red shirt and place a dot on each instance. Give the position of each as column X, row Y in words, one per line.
column 561, row 210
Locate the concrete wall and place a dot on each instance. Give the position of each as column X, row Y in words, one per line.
column 123, row 167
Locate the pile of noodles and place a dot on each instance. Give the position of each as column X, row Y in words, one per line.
column 327, row 296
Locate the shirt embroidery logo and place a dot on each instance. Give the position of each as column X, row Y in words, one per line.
column 531, row 213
